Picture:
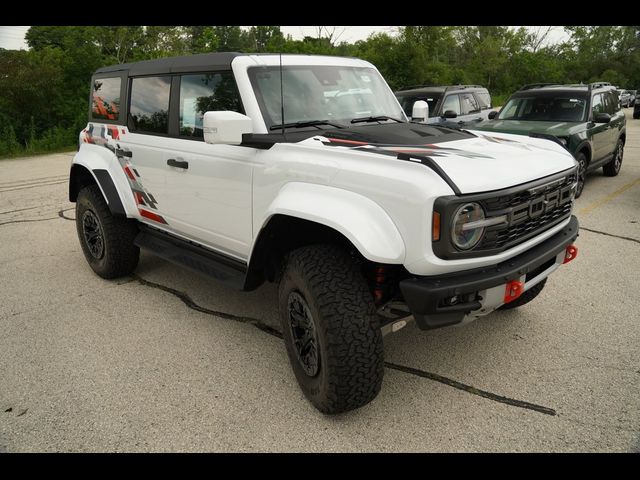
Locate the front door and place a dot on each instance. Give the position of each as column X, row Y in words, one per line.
column 600, row 132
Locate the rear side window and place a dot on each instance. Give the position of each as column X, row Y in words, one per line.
column 484, row 99
column 203, row 93
column 469, row 104
column 105, row 98
column 451, row 103
column 149, row 109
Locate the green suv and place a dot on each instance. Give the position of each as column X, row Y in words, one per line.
column 586, row 119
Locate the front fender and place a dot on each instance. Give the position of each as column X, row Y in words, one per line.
column 361, row 220
column 109, row 176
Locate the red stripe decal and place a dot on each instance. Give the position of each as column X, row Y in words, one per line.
column 338, row 140
column 151, row 216
column 129, row 173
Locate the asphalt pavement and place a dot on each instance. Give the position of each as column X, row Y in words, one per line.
column 167, row 360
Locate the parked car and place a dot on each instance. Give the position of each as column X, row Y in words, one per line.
column 585, row 119
column 304, row 171
column 625, row 98
column 453, row 105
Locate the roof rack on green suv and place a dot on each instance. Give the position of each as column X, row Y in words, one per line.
column 585, row 118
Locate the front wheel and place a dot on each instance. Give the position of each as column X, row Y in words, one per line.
column 106, row 240
column 581, row 158
column 330, row 329
column 612, row 168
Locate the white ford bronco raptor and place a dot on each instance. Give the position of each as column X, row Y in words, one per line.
column 304, row 170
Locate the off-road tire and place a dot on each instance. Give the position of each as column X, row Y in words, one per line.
column 526, row 297
column 349, row 340
column 612, row 168
column 119, row 256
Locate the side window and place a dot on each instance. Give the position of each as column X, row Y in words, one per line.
column 203, row 93
column 451, row 102
column 597, row 105
column 105, row 99
column 149, row 108
column 612, row 103
column 484, row 99
column 469, row 104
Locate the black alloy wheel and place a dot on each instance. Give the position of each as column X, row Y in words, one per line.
column 304, row 334
column 93, row 235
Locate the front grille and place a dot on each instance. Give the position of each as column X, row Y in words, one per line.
column 521, row 224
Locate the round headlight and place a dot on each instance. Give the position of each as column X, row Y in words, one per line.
column 462, row 238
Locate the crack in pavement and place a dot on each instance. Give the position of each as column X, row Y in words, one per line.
column 32, row 186
column 17, row 183
column 610, row 234
column 62, row 215
column 413, row 371
column 29, row 220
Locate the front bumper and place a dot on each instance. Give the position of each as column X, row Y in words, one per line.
column 426, row 296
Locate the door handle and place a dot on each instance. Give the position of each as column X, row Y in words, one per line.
column 172, row 162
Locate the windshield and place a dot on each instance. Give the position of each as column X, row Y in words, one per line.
column 407, row 102
column 544, row 109
column 334, row 93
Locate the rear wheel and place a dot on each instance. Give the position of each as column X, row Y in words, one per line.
column 330, row 328
column 106, row 240
column 612, row 168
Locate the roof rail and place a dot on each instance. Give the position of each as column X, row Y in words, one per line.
column 530, row 86
column 453, row 87
column 412, row 87
column 448, row 87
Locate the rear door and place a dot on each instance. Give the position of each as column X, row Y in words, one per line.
column 617, row 119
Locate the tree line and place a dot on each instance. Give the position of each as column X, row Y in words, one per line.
column 44, row 91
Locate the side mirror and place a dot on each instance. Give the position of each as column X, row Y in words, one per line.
column 420, row 112
column 493, row 115
column 225, row 127
column 602, row 118
column 449, row 114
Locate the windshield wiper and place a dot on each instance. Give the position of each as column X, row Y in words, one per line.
column 378, row 118
column 306, row 123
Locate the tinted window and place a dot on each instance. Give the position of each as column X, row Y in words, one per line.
column 611, row 102
column 484, row 99
column 451, row 102
column 469, row 104
column 407, row 101
column 597, row 105
column 105, row 99
column 149, row 109
column 203, row 93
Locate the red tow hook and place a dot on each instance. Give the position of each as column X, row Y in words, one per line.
column 570, row 253
column 513, row 290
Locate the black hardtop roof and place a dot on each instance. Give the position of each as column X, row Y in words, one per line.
column 187, row 63
column 437, row 88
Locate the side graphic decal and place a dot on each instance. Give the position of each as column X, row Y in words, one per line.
column 104, row 134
